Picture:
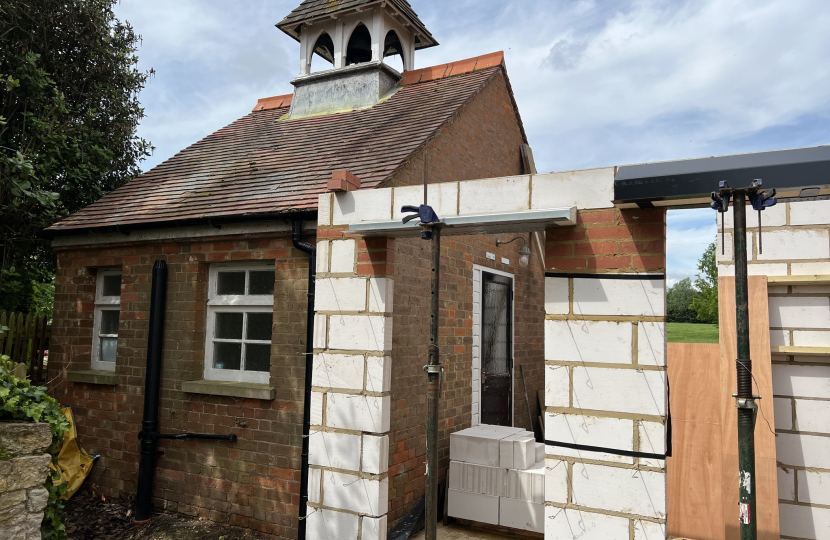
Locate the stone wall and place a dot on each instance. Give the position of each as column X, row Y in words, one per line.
column 24, row 466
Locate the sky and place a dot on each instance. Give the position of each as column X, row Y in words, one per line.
column 598, row 83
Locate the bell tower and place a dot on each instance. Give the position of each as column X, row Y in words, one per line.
column 355, row 36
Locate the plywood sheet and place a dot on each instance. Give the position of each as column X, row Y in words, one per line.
column 694, row 376
column 766, row 482
column 695, row 481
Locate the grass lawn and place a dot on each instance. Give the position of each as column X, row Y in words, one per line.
column 693, row 333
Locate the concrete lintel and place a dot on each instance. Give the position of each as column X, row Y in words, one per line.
column 90, row 376
column 530, row 220
column 230, row 389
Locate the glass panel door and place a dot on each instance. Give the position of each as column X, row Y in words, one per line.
column 497, row 350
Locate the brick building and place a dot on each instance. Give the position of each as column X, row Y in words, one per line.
column 220, row 213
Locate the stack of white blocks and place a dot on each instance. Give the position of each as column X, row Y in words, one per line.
column 497, row 476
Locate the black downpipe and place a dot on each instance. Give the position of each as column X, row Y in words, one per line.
column 311, row 249
column 152, row 387
column 150, row 434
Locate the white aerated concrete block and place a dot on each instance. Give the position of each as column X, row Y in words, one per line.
column 323, row 256
column 800, row 450
column 783, row 413
column 335, row 450
column 443, row 198
column 338, row 371
column 479, row 444
column 343, row 258
column 648, row 530
column 813, row 417
column 326, row 524
column 611, row 433
column 496, row 195
column 522, row 515
column 814, row 487
column 375, row 458
column 801, row 381
column 320, row 331
column 797, row 244
column 324, row 209
column 381, row 295
column 512, row 450
column 360, row 333
column 728, row 255
column 473, row 506
column 804, row 521
column 556, row 481
column 477, row 478
column 799, row 312
column 315, row 476
column 775, row 216
column 350, row 492
column 651, row 344
column 587, row 189
column 340, row 294
column 373, row 528
column 779, row 338
column 619, row 297
column 629, row 491
column 540, row 452
column 527, row 485
column 652, row 441
column 316, row 408
column 621, row 390
column 363, row 205
column 786, row 484
column 810, row 213
column 359, row 413
column 557, row 386
column 524, row 453
column 379, row 374
column 582, row 525
column 557, row 296
column 810, row 269
column 767, row 269
column 588, row 341
column 811, row 338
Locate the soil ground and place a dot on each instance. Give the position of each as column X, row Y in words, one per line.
column 91, row 517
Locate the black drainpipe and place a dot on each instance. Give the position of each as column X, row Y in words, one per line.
column 150, row 435
column 311, row 249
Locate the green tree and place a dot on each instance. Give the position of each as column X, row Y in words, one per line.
column 706, row 303
column 69, row 111
column 679, row 302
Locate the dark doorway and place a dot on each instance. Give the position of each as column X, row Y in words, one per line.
column 497, row 350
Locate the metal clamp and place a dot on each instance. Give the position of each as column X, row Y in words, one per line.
column 748, row 403
column 437, row 370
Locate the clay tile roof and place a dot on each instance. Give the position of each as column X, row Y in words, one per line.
column 263, row 165
column 310, row 10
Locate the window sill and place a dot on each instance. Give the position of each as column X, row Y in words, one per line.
column 230, row 389
column 93, row 376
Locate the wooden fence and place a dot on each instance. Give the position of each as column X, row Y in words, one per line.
column 26, row 342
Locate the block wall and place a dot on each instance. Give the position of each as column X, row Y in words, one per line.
column 605, row 380
column 254, row 482
column 795, row 240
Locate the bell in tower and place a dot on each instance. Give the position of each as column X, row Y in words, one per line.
column 354, row 37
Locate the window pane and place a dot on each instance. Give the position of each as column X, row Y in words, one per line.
column 257, row 357
column 109, row 322
column 230, row 283
column 228, row 326
column 108, row 346
column 112, row 286
column 227, row 355
column 262, row 283
column 259, row 326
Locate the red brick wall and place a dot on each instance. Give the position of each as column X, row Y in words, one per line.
column 610, row 240
column 471, row 147
column 254, row 482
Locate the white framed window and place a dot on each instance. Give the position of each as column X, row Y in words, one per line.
column 240, row 315
column 107, row 314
